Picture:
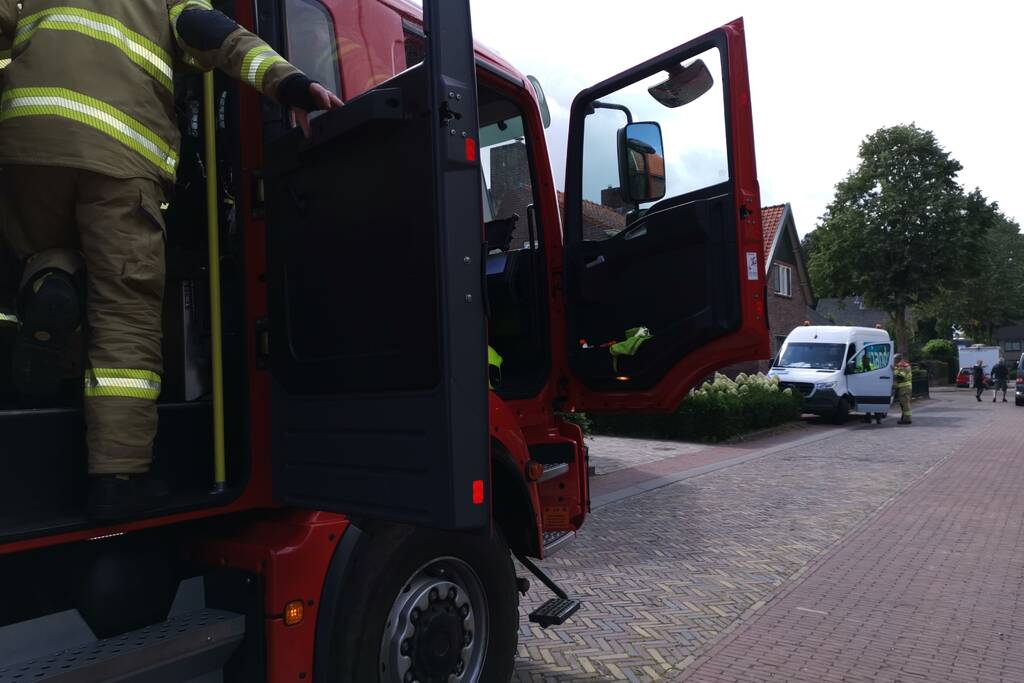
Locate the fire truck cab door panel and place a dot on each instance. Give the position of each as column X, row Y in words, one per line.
column 377, row 326
column 686, row 267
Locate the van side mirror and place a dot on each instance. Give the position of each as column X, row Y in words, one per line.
column 851, row 367
column 641, row 162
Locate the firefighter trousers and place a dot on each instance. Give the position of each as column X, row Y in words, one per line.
column 64, row 218
column 903, row 394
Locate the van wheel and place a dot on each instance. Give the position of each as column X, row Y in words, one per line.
column 842, row 411
column 428, row 606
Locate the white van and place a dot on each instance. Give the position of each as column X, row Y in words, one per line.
column 837, row 369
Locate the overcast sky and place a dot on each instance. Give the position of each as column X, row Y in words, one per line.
column 823, row 75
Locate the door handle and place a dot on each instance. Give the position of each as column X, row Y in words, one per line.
column 885, row 377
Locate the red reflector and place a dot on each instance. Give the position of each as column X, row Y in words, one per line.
column 470, row 149
column 478, row 492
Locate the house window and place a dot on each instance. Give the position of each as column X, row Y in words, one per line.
column 782, row 280
column 1012, row 346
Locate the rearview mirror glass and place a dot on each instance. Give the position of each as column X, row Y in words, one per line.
column 641, row 162
column 542, row 100
column 683, row 85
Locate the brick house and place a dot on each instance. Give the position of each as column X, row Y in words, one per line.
column 1010, row 339
column 790, row 298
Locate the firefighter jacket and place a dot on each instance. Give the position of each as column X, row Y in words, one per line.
column 904, row 378
column 90, row 83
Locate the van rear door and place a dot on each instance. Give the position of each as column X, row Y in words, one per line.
column 664, row 264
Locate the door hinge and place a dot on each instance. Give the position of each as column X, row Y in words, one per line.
column 262, row 343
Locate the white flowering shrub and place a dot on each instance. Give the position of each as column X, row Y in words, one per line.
column 719, row 409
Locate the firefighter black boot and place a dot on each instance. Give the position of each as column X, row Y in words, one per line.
column 50, row 312
column 117, row 496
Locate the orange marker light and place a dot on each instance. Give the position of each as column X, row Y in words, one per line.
column 534, row 470
column 293, row 613
column 478, row 492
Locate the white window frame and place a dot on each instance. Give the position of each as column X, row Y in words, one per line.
column 782, row 280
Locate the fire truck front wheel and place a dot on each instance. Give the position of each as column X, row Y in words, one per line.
column 422, row 605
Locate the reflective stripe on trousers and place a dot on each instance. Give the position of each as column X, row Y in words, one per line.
column 122, row 382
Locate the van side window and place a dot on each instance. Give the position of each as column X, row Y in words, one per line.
column 872, row 357
column 312, row 42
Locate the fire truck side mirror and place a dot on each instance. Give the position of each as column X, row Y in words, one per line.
column 641, row 162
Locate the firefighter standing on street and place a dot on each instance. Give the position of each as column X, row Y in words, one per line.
column 904, row 386
column 88, row 143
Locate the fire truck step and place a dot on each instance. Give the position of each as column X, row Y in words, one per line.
column 554, row 612
column 553, row 471
column 556, row 540
column 178, row 649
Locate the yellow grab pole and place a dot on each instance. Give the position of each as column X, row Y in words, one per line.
column 213, row 241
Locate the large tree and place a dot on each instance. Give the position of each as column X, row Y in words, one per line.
column 993, row 296
column 900, row 229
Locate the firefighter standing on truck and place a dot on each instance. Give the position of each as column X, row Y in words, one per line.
column 904, row 387
column 88, row 143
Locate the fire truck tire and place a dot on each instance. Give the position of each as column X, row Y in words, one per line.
column 421, row 605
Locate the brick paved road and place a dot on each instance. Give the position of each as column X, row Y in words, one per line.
column 613, row 453
column 666, row 572
column 927, row 590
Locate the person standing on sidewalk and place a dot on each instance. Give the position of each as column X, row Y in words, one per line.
column 1000, row 375
column 904, row 386
column 978, row 376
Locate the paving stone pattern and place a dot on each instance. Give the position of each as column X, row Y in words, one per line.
column 664, row 573
column 613, row 453
column 930, row 589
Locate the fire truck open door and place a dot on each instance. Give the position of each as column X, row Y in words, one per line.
column 378, row 350
column 662, row 292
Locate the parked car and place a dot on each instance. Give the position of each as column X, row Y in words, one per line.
column 1020, row 382
column 964, row 377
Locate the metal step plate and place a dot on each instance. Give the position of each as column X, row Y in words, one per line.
column 556, row 540
column 178, row 649
column 554, row 612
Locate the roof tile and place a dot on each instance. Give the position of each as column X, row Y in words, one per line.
column 771, row 220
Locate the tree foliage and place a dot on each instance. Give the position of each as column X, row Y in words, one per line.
column 993, row 296
column 900, row 228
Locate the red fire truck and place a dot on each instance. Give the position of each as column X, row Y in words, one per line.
column 375, row 343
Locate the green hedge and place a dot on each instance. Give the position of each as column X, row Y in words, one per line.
column 946, row 351
column 718, row 410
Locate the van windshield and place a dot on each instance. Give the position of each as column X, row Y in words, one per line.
column 813, row 355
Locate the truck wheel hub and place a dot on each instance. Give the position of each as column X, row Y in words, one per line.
column 436, row 630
